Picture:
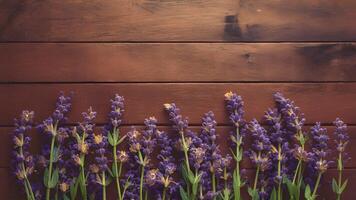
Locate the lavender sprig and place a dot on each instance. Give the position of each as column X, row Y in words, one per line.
column 23, row 160
column 259, row 155
column 114, row 138
column 191, row 153
column 50, row 126
column 142, row 146
column 166, row 165
column 234, row 106
column 318, row 158
column 293, row 121
column 83, row 136
column 341, row 141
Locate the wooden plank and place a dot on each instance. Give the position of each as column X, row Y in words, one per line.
column 295, row 20
column 10, row 190
column 223, row 140
column 319, row 102
column 151, row 20
column 152, row 62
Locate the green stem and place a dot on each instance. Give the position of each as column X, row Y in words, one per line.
column 141, row 182
column 84, row 193
column 279, row 197
column 237, row 196
column 164, row 193
column 296, row 171
column 104, row 185
column 316, row 185
column 340, row 168
column 27, row 183
column 48, row 191
column 213, row 182
column 117, row 177
column 256, row 177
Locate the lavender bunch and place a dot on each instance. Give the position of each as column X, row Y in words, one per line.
column 114, row 138
column 293, row 121
column 23, row 161
column 318, row 158
column 142, row 146
column 83, row 136
column 341, row 141
column 192, row 153
column 50, row 127
column 166, row 166
column 259, row 155
column 234, row 106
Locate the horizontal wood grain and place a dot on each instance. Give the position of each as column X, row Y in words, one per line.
column 320, row 102
column 223, row 140
column 173, row 20
column 10, row 190
column 177, row 62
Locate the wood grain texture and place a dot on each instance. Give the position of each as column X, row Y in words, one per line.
column 173, row 20
column 223, row 140
column 10, row 190
column 320, row 102
column 192, row 62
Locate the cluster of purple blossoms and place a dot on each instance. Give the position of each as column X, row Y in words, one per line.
column 341, row 139
column 116, row 113
column 166, row 166
column 23, row 161
column 260, row 157
column 320, row 150
column 279, row 145
column 234, row 106
column 214, row 163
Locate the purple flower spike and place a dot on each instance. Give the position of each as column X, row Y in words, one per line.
column 23, row 161
column 342, row 138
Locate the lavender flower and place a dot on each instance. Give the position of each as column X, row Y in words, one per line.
column 142, row 146
column 51, row 126
column 193, row 150
column 318, row 158
column 279, row 146
column 166, row 166
column 234, row 106
column 114, row 138
column 23, row 161
column 99, row 171
column 341, row 141
column 259, row 155
column 83, row 136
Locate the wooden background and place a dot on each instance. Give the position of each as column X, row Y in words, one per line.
column 186, row 51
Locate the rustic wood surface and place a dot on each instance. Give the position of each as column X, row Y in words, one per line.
column 172, row 20
column 186, row 51
column 178, row 62
column 319, row 101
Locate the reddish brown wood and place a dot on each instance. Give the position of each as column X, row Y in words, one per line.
column 10, row 190
column 319, row 102
column 207, row 20
column 177, row 62
column 223, row 140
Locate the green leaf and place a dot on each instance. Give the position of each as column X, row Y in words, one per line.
column 273, row 194
column 183, row 194
column 74, row 189
column 343, row 186
column 54, row 179
column 45, row 178
column 335, row 186
column 253, row 194
column 65, row 197
column 307, row 193
column 111, row 139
